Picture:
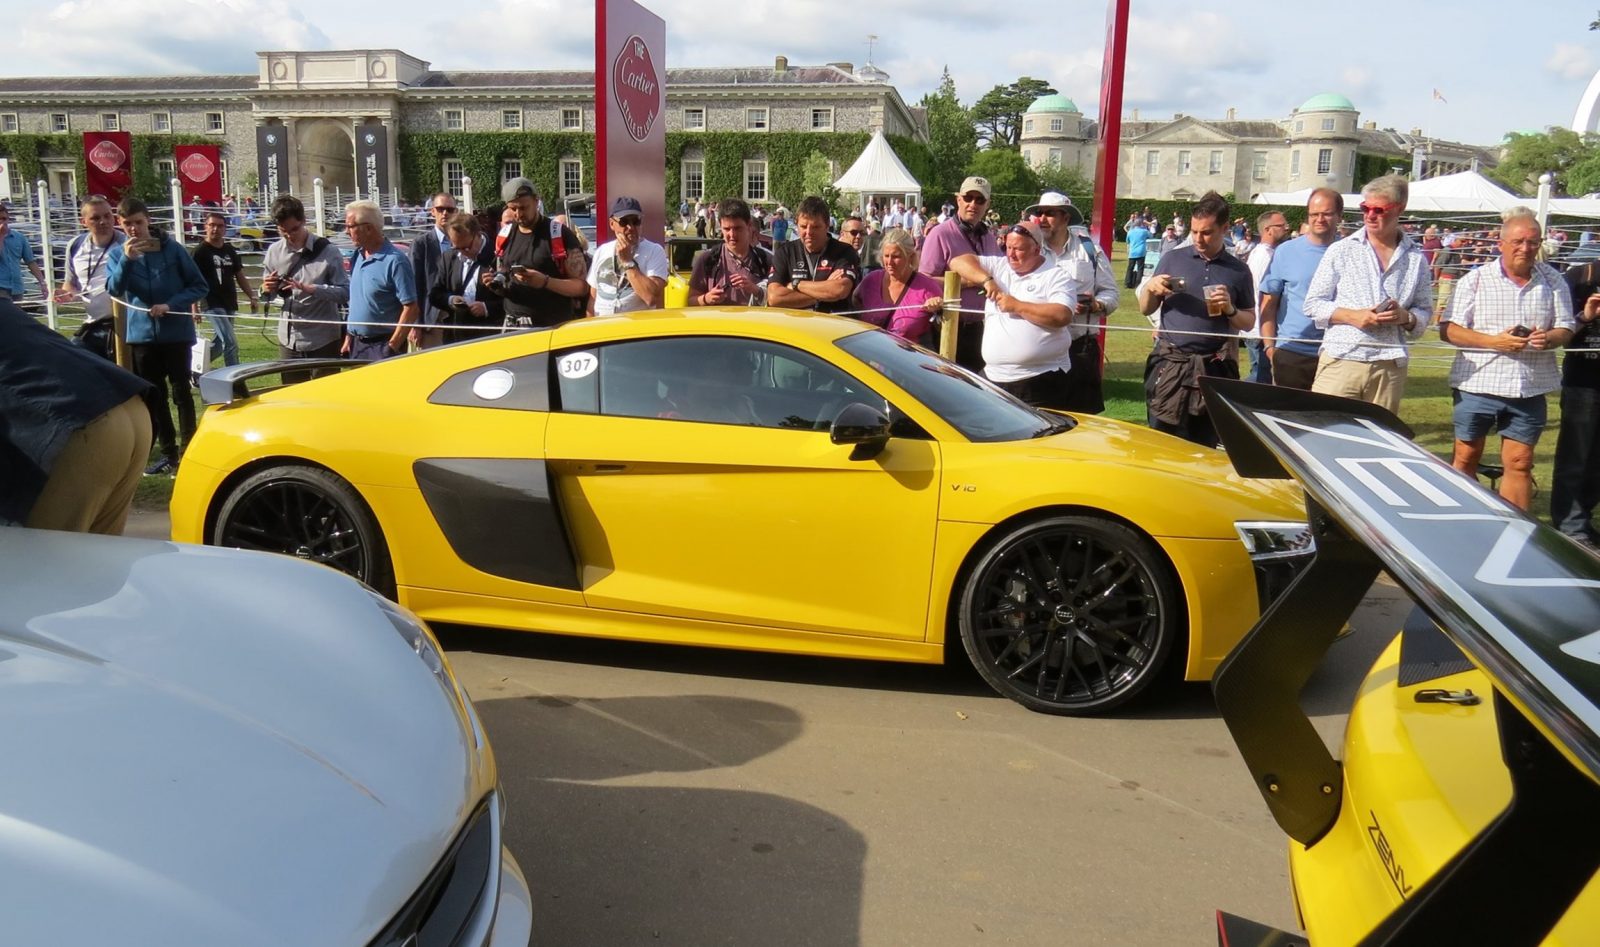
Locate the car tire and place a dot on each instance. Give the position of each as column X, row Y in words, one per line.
column 1070, row 615
column 310, row 513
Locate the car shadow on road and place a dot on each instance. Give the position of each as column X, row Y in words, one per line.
column 627, row 863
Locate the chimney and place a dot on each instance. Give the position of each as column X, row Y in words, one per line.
column 1232, row 114
column 1135, row 116
column 844, row 67
column 1176, row 116
column 1416, row 133
column 781, row 64
column 1370, row 126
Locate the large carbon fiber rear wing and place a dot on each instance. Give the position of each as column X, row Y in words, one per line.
column 227, row 385
column 1521, row 601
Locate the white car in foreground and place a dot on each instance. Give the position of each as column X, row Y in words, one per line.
column 204, row 746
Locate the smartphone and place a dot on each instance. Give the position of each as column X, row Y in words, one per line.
column 1521, row 332
column 516, row 268
column 1176, row 283
column 1388, row 305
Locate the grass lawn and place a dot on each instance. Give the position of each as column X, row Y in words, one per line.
column 1426, row 407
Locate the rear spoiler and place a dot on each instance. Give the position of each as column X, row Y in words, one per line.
column 227, row 385
column 1520, row 600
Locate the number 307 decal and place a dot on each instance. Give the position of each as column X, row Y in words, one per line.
column 577, row 365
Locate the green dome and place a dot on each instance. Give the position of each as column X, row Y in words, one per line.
column 1053, row 103
column 1327, row 102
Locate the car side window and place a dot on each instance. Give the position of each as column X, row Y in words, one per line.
column 710, row 379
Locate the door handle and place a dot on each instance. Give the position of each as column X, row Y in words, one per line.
column 610, row 468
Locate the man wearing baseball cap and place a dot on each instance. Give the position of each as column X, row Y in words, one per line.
column 1069, row 244
column 1027, row 320
column 540, row 266
column 965, row 234
column 629, row 273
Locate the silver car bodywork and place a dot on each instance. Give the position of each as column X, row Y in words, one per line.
column 203, row 746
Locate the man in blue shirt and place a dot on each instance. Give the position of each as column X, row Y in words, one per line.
column 1138, row 234
column 1291, row 340
column 15, row 251
column 383, row 289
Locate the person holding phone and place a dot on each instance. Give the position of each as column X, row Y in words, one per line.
column 1508, row 316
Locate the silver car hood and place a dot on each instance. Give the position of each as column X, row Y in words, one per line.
column 202, row 746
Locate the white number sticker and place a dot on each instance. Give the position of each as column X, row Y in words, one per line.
column 577, row 365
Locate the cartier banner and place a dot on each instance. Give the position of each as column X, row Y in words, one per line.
column 272, row 159
column 106, row 158
column 199, row 172
column 630, row 95
column 372, row 160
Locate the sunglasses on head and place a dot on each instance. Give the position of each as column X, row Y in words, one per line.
column 1379, row 209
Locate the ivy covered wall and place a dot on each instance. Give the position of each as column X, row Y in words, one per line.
column 29, row 151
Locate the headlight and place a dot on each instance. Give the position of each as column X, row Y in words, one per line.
column 1278, row 551
column 415, row 634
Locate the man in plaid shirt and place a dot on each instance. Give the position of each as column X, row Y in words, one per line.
column 1508, row 316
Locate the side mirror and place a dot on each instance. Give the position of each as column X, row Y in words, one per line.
column 862, row 425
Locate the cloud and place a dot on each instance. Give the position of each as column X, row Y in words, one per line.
column 1570, row 61
column 156, row 37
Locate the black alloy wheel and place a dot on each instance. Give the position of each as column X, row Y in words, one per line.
column 309, row 513
column 1070, row 615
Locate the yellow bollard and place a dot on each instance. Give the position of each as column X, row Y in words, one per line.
column 119, row 334
column 950, row 325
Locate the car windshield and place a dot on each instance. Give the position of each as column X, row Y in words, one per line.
column 969, row 403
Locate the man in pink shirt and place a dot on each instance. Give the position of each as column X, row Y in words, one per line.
column 963, row 234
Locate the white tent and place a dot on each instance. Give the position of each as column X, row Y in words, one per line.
column 1467, row 191
column 879, row 172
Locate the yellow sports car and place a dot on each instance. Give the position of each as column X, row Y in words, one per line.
column 751, row 479
column 1463, row 809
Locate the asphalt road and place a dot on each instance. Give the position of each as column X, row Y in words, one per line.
column 692, row 797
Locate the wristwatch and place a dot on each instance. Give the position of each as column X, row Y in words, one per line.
column 630, row 265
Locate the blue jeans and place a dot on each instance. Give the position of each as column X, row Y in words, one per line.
column 222, row 328
column 1260, row 365
column 1575, row 483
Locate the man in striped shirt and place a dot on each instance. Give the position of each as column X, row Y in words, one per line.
column 1508, row 316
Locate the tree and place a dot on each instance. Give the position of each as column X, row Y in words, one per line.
column 816, row 177
column 1595, row 23
column 1557, row 151
column 951, row 137
column 1584, row 177
column 998, row 115
column 1064, row 178
column 1006, row 171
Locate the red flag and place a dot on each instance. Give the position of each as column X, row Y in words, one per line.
column 199, row 172
column 107, row 157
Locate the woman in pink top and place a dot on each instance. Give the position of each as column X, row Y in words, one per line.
column 897, row 297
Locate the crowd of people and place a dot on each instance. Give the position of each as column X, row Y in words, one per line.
column 1324, row 310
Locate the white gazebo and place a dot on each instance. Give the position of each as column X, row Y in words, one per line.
column 879, row 173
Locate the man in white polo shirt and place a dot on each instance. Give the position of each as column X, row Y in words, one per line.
column 629, row 273
column 1027, row 319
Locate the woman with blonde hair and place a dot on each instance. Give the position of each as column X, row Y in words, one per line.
column 897, row 297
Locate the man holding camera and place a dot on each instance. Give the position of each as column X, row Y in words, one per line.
column 1508, row 316
column 540, row 268
column 305, row 274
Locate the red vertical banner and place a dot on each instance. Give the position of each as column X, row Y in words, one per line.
column 108, row 161
column 1108, row 159
column 630, row 102
column 199, row 172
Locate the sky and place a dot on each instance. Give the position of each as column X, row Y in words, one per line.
column 1497, row 71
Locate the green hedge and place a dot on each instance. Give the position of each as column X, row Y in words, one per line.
column 481, row 155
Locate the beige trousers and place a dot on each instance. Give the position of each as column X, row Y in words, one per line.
column 91, row 486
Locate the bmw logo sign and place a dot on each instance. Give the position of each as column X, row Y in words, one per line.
column 371, row 138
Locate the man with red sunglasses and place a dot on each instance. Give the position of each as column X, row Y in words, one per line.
column 1372, row 293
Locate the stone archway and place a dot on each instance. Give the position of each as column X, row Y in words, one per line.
column 325, row 148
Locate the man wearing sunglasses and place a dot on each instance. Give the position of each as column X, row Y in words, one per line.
column 965, row 233
column 427, row 251
column 1069, row 244
column 1372, row 293
column 629, row 273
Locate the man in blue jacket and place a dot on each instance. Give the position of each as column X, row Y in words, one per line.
column 157, row 278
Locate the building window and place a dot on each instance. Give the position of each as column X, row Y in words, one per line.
column 571, row 176
column 110, row 122
column 1055, row 157
column 822, row 120
column 694, row 120
column 1299, row 126
column 161, row 121
column 1294, row 164
column 452, row 175
column 1216, row 162
column 1327, row 124
column 692, row 180
column 755, row 120
column 58, row 122
column 214, row 123
column 1183, row 162
column 222, row 175
column 1352, row 170
column 1152, row 162
column 1324, row 160
column 572, row 120
column 1258, row 166
column 755, row 180
column 511, row 120
column 454, row 120
column 1027, row 126
column 8, row 123
column 1057, row 124
column 166, row 170
column 510, row 168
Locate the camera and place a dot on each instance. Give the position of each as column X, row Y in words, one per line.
column 500, row 281
column 284, row 290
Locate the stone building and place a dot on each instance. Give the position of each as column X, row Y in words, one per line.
column 323, row 100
